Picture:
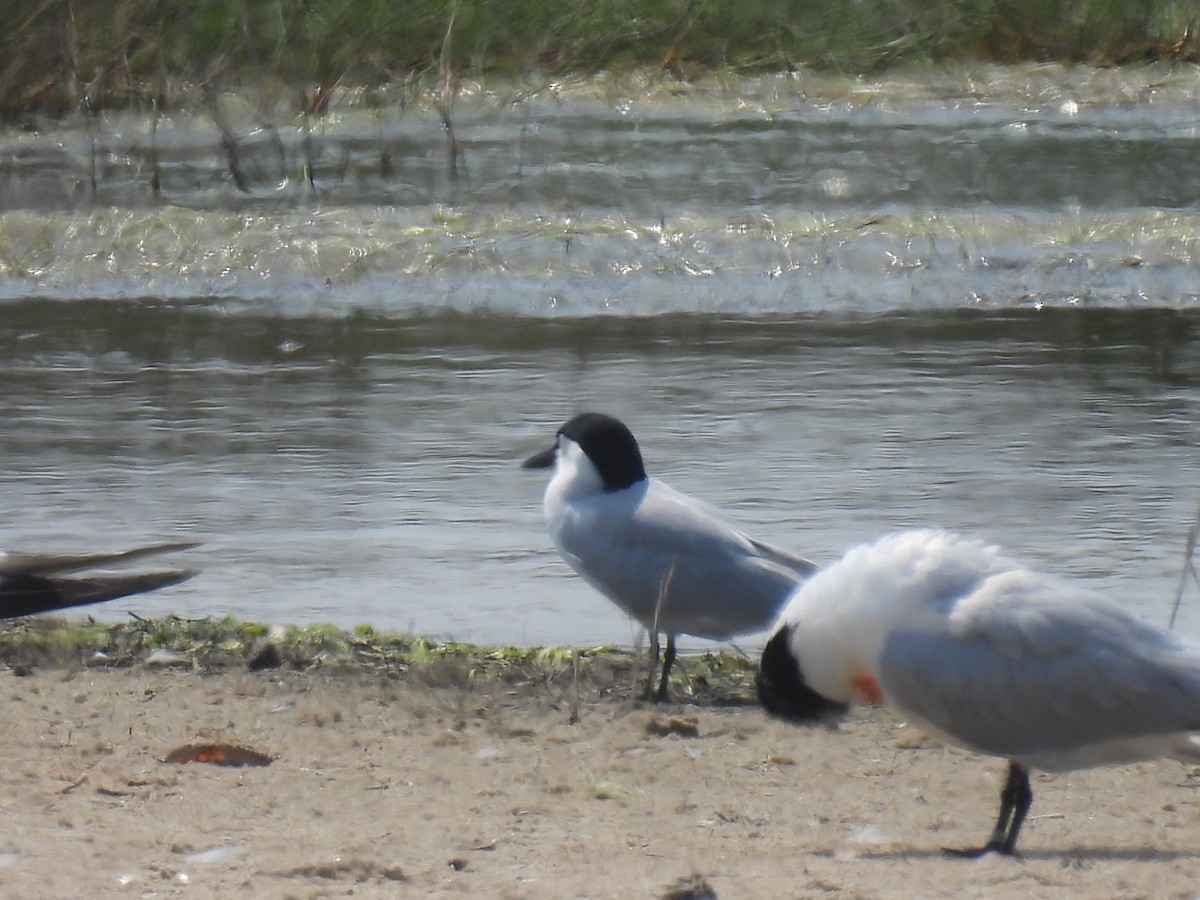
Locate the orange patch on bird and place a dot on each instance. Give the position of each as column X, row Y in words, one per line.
column 869, row 687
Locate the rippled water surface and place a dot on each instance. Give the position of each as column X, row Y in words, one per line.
column 831, row 307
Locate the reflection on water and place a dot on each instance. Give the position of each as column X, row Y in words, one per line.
column 829, row 310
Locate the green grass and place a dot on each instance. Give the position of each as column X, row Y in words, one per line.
column 59, row 56
column 227, row 643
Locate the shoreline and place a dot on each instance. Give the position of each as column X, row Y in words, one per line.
column 226, row 644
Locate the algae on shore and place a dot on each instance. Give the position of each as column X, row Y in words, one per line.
column 216, row 644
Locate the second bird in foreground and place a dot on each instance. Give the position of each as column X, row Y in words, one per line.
column 990, row 655
column 673, row 563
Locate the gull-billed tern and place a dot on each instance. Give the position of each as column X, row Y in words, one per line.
column 673, row 563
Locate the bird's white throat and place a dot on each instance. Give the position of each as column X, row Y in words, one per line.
column 575, row 476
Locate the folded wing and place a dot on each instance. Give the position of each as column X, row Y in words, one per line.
column 35, row 583
column 1027, row 667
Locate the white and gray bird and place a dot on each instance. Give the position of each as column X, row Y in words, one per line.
column 988, row 654
column 673, row 563
column 36, row 583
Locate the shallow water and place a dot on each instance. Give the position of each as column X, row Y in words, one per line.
column 830, row 307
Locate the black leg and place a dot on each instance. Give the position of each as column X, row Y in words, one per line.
column 1015, row 799
column 654, row 647
column 1020, row 797
column 664, row 686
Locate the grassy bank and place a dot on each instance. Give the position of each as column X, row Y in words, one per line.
column 63, row 56
column 227, row 643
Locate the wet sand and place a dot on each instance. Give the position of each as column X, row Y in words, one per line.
column 387, row 786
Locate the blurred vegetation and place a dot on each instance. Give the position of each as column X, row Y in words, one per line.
column 62, row 56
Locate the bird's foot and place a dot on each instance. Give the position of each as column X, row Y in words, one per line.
column 650, row 695
column 999, row 847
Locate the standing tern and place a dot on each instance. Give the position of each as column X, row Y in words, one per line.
column 35, row 583
column 671, row 562
column 990, row 655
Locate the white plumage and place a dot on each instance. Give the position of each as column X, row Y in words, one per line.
column 989, row 654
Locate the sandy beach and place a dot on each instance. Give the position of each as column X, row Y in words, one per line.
column 382, row 785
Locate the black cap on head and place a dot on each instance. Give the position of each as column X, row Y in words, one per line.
column 782, row 690
column 610, row 446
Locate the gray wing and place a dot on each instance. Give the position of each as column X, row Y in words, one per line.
column 1030, row 665
column 718, row 582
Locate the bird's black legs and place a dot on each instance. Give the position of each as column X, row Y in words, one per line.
column 664, row 686
column 654, row 649
column 1015, row 800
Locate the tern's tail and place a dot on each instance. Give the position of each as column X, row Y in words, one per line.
column 1187, row 747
